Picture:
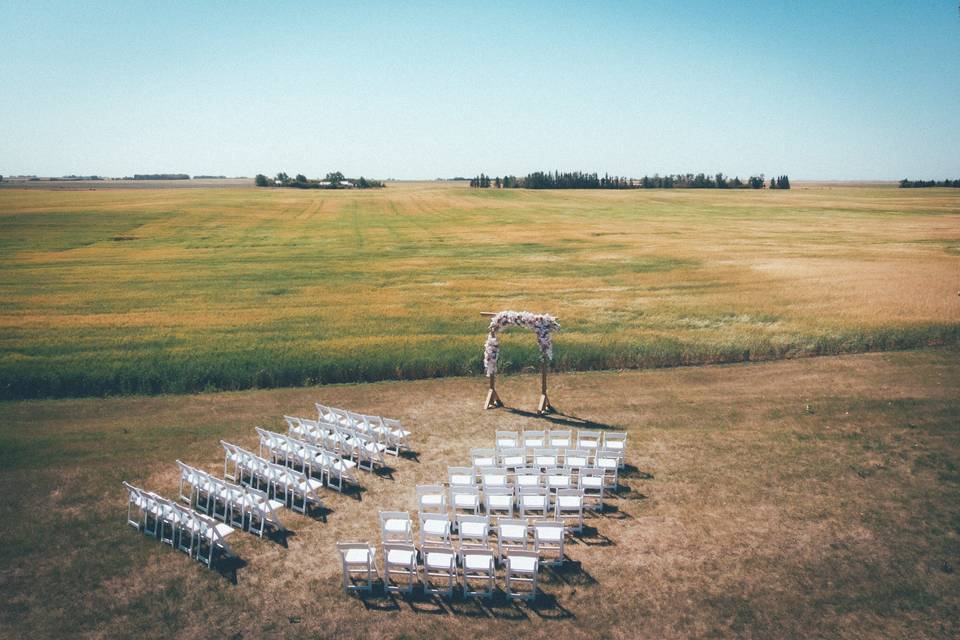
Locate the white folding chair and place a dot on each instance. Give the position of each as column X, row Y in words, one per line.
column 609, row 461
column 533, row 501
column 507, row 439
column 528, row 477
column 465, row 499
column 545, row 458
column 212, row 536
column 498, row 501
column 591, row 487
column 511, row 534
column 399, row 561
column 560, row 439
column 512, row 457
column 396, row 526
column 189, row 530
column 439, row 563
column 359, row 559
column 569, row 506
column 461, row 477
column 533, row 439
column 325, row 414
column 473, row 530
column 576, row 459
column 521, row 569
column 136, row 506
column 478, row 565
column 558, row 478
column 548, row 537
column 431, row 498
column 483, row 457
column 395, row 436
column 493, row 477
column 589, row 440
column 231, row 460
column 616, row 441
column 434, row 528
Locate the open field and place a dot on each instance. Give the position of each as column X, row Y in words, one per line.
column 803, row 498
column 172, row 290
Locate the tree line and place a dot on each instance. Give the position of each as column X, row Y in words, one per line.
column 333, row 180
column 914, row 184
column 581, row 180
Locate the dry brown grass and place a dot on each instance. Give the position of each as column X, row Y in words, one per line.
column 812, row 498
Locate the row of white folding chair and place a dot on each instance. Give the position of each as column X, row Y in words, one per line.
column 397, row 526
column 590, row 479
column 365, row 448
column 390, row 430
column 562, row 439
column 235, row 504
column 486, row 459
column 255, row 471
column 327, row 463
column 402, row 570
column 310, row 457
column 533, row 497
column 193, row 533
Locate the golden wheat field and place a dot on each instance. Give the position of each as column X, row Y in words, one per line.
column 169, row 290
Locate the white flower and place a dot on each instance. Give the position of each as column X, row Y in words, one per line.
column 542, row 324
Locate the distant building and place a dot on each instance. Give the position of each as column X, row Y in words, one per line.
column 346, row 184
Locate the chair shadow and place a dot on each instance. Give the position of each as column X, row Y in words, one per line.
column 571, row 573
column 409, row 454
column 561, row 419
column 548, row 607
column 591, row 537
column 614, row 512
column 354, row 491
column 630, row 471
column 384, row 472
column 319, row 512
column 626, row 492
column 228, row 566
column 280, row 536
column 377, row 600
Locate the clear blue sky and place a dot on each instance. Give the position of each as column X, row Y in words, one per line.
column 819, row 90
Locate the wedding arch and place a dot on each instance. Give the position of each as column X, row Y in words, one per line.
column 543, row 325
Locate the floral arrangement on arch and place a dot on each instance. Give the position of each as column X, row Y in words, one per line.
column 541, row 323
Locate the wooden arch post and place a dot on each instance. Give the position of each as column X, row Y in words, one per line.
column 493, row 398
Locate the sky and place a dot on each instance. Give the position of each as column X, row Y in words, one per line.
column 419, row 90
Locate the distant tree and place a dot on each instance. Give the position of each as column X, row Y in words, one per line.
column 773, row 183
column 496, row 182
column 335, row 178
column 261, row 180
column 783, row 182
column 301, row 178
column 283, row 178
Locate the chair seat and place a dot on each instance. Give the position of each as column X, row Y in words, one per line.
column 615, row 445
column 395, row 525
column 550, row 534
column 477, row 561
column 513, row 532
column 465, row 500
column 432, row 500
column 569, row 501
column 592, row 482
column 438, row 560
column 472, row 529
column 401, row 556
column 500, row 502
column 357, row 556
column 223, row 529
column 436, row 527
column 522, row 564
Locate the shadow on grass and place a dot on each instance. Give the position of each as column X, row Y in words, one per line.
column 409, row 454
column 561, row 419
column 570, row 573
column 630, row 471
column 279, row 536
column 228, row 566
column 591, row 537
column 546, row 606
column 384, row 472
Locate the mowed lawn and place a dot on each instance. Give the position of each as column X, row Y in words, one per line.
column 169, row 290
column 804, row 498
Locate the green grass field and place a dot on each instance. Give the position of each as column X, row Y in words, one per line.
column 176, row 290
